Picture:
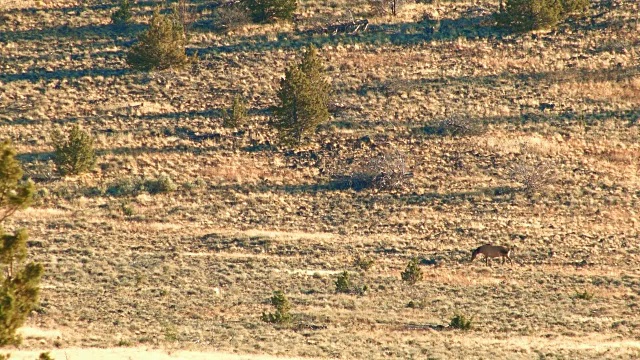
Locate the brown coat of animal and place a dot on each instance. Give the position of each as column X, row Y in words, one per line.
column 491, row 251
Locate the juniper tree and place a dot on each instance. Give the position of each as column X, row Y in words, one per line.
column 161, row 46
column 74, row 153
column 19, row 280
column 304, row 98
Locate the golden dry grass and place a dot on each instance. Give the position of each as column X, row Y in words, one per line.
column 193, row 269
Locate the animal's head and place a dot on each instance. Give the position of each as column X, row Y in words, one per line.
column 474, row 253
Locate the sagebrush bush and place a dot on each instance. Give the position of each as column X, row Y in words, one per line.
column 303, row 99
column 457, row 125
column 19, row 279
column 162, row 184
column 461, row 322
column 123, row 14
column 236, row 115
column 271, row 10
column 527, row 15
column 161, row 46
column 74, row 152
column 364, row 263
column 282, row 307
column 230, row 16
column 412, row 273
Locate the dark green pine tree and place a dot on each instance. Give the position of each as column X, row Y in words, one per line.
column 304, row 99
column 19, row 281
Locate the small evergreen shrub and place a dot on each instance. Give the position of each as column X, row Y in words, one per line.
column 122, row 15
column 343, row 283
column 304, row 99
column 19, row 279
column 236, row 115
column 527, row 15
column 412, row 273
column 461, row 322
column 74, row 153
column 15, row 194
column 282, row 308
column 271, row 10
column 161, row 46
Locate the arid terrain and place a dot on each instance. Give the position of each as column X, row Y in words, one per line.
column 552, row 170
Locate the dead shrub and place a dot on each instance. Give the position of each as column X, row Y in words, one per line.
column 456, row 125
column 386, row 171
column 532, row 177
column 230, row 16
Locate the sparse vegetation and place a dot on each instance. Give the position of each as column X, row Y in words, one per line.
column 19, row 279
column 303, row 99
column 161, row 46
column 282, row 307
column 236, row 115
column 412, row 273
column 461, row 322
column 249, row 215
column 74, row 152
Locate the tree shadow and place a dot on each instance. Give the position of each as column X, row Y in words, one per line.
column 409, row 33
column 38, row 74
column 632, row 116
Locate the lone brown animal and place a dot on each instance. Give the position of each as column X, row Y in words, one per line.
column 491, row 251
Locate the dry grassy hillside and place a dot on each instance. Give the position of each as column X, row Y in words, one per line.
column 194, row 268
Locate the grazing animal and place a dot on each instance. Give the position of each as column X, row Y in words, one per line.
column 491, row 251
